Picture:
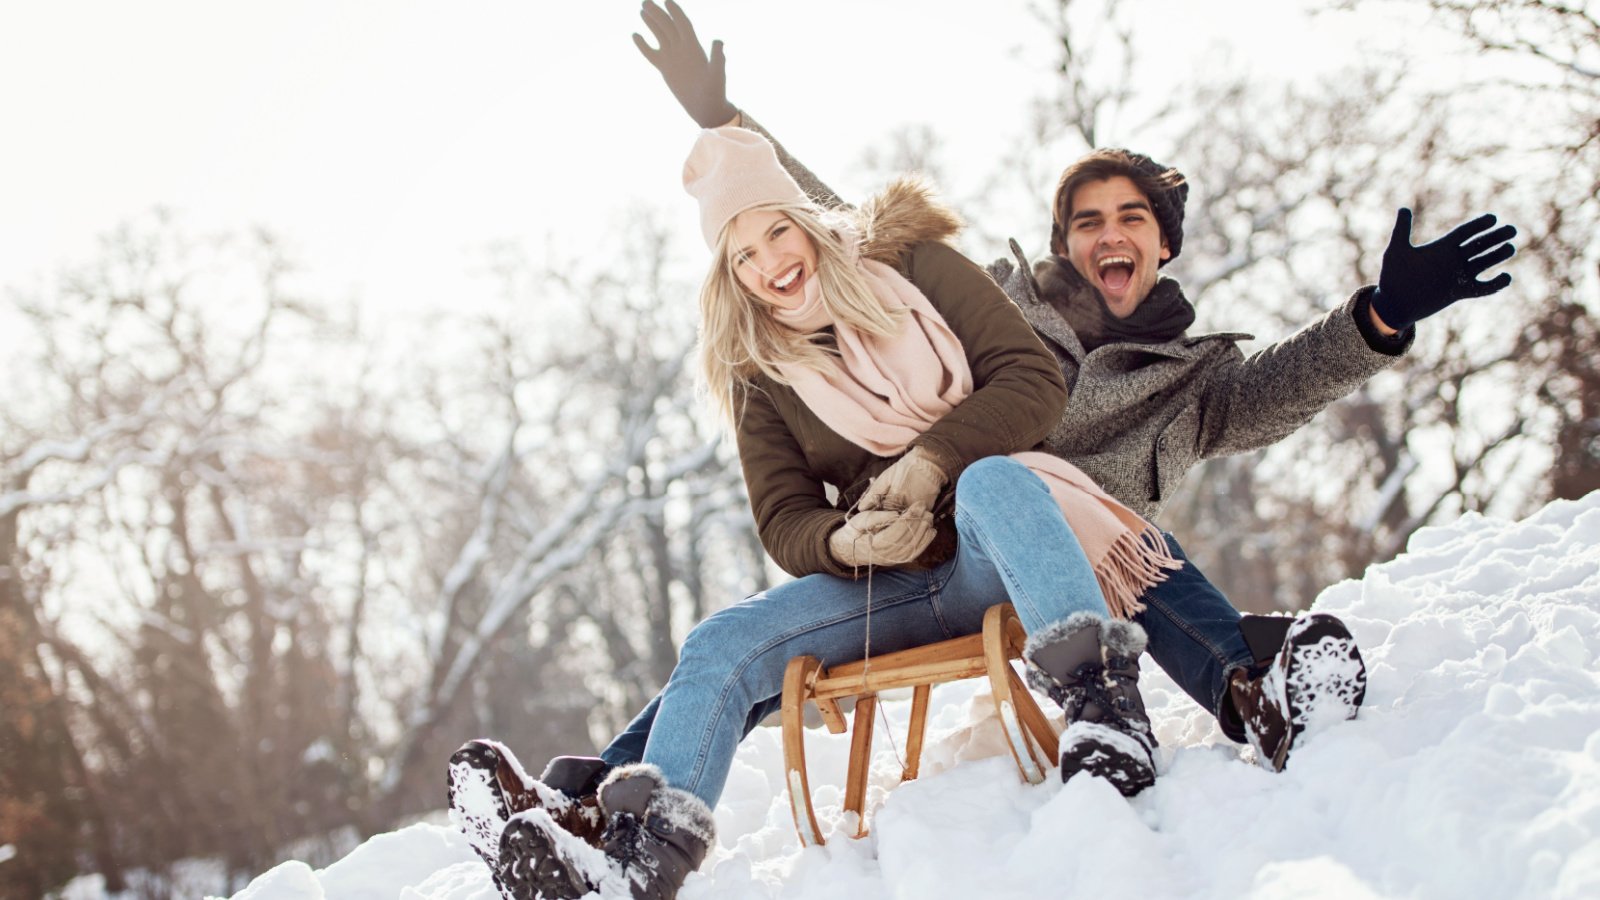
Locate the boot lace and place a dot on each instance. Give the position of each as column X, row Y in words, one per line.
column 1082, row 687
column 624, row 840
column 1090, row 684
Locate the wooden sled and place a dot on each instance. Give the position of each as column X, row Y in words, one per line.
column 977, row 655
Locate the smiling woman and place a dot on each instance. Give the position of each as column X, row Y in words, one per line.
column 772, row 257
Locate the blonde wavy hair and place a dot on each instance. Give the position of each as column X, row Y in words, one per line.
column 740, row 339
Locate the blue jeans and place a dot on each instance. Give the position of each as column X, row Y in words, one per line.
column 1012, row 544
column 1194, row 637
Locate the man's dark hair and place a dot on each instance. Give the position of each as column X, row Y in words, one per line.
column 1163, row 186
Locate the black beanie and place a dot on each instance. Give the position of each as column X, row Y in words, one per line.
column 1167, row 204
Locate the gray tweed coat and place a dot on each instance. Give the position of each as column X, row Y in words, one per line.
column 1140, row 416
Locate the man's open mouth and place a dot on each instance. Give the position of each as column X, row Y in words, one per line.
column 1116, row 272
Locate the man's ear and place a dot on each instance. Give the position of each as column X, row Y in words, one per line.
column 1166, row 252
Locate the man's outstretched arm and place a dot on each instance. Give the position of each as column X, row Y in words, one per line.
column 1261, row 399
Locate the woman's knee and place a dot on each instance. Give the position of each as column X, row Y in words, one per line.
column 993, row 477
column 731, row 642
column 711, row 645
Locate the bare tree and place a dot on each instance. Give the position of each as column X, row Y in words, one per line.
column 267, row 567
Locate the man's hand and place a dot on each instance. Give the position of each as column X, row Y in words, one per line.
column 699, row 83
column 914, row 480
column 882, row 538
column 1417, row 282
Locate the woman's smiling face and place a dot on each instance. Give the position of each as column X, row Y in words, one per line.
column 772, row 256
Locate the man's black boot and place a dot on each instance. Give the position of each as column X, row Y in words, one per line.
column 1314, row 679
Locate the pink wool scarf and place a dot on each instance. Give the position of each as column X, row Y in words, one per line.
column 877, row 394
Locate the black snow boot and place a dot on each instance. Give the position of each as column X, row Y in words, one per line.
column 487, row 786
column 1090, row 665
column 1315, row 678
column 654, row 837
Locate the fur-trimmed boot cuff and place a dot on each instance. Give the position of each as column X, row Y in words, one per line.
column 1089, row 664
column 1119, row 637
column 624, row 790
column 1055, row 651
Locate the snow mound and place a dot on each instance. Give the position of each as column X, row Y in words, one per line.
column 1473, row 771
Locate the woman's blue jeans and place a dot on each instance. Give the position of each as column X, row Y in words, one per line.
column 1012, row 545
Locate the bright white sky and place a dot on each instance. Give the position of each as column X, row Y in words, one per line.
column 389, row 142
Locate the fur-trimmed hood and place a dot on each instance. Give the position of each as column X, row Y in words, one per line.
column 904, row 214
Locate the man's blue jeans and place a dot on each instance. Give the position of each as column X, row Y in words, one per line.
column 1013, row 544
column 1194, row 637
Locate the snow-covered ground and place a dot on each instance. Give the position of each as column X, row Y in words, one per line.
column 1473, row 771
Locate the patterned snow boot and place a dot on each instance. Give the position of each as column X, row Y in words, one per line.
column 654, row 837
column 1090, row 666
column 487, row 786
column 1315, row 678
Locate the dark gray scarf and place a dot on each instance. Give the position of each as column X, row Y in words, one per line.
column 1162, row 316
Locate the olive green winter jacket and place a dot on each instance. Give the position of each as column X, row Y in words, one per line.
column 790, row 457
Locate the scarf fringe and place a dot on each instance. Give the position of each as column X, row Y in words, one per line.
column 1136, row 562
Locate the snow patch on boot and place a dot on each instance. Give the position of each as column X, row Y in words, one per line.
column 1055, row 633
column 679, row 808
column 511, row 761
column 477, row 805
column 1081, row 732
column 1122, row 638
column 1327, row 682
column 1123, row 759
column 549, row 798
column 540, row 859
column 476, row 812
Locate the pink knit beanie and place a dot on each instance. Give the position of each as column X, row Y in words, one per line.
column 730, row 170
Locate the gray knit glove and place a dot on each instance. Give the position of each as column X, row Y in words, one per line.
column 699, row 83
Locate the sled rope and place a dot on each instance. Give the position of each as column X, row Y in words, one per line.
column 866, row 660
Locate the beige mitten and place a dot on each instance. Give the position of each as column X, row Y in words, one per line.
column 914, row 480
column 882, row 537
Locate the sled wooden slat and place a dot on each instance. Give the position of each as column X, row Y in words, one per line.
column 987, row 654
column 887, row 679
column 960, row 649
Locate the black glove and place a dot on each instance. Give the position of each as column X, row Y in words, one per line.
column 700, row 84
column 1417, row 282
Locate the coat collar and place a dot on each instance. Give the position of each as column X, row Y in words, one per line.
column 1052, row 325
column 905, row 214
